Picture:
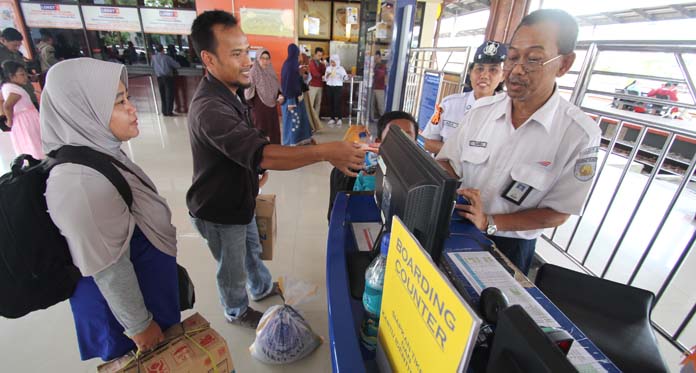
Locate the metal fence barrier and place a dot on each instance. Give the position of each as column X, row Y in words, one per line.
column 449, row 63
column 655, row 150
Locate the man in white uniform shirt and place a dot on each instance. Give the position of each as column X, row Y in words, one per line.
column 526, row 159
column 485, row 76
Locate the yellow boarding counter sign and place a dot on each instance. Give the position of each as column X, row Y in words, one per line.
column 424, row 326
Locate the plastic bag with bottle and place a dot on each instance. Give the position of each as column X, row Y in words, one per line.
column 283, row 335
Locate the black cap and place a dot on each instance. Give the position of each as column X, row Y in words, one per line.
column 491, row 52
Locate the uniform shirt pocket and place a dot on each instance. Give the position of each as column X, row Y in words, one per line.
column 477, row 155
column 532, row 175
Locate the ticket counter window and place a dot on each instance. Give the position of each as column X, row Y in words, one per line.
column 116, row 46
column 181, row 4
column 67, row 43
column 176, row 46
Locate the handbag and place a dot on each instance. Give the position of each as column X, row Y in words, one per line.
column 187, row 293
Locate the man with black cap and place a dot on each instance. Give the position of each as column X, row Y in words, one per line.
column 527, row 158
column 10, row 42
column 485, row 75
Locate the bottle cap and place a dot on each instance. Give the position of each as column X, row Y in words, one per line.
column 384, row 249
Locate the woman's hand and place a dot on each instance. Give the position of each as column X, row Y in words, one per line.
column 280, row 99
column 149, row 338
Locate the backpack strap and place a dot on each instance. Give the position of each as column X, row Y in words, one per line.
column 98, row 161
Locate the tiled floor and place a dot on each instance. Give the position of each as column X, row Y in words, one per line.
column 45, row 340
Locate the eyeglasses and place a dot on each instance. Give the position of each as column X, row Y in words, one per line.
column 528, row 66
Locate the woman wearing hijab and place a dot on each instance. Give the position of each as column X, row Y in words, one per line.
column 129, row 292
column 296, row 129
column 264, row 95
column 335, row 75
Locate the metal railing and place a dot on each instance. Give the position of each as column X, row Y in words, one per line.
column 621, row 236
column 356, row 97
column 449, row 63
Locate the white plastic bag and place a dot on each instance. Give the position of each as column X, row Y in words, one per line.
column 283, row 335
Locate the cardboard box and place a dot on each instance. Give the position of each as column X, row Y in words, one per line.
column 192, row 347
column 267, row 222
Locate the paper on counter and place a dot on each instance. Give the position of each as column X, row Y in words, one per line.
column 482, row 270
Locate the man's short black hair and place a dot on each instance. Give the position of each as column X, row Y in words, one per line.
column 385, row 119
column 202, row 29
column 567, row 26
column 160, row 48
column 318, row 49
column 378, row 53
column 11, row 34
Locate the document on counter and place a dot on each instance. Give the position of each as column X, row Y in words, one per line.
column 481, row 270
column 366, row 234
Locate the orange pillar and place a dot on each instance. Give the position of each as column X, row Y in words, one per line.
column 504, row 18
column 278, row 47
column 203, row 5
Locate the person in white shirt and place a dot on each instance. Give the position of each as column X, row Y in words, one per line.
column 334, row 76
column 485, row 77
column 526, row 159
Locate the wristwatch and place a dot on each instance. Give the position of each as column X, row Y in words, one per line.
column 492, row 228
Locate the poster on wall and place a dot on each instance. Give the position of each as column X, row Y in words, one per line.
column 346, row 14
column 167, row 21
column 7, row 15
column 107, row 18
column 318, row 18
column 52, row 15
column 429, row 94
column 269, row 22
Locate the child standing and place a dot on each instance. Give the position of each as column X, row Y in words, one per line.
column 21, row 113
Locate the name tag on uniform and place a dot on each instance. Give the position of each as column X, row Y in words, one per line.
column 478, row 144
column 517, row 192
column 450, row 123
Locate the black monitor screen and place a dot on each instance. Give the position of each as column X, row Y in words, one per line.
column 412, row 186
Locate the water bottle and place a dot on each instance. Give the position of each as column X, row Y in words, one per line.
column 370, row 157
column 372, row 297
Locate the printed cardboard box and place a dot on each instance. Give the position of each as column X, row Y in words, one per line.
column 192, row 347
column 267, row 222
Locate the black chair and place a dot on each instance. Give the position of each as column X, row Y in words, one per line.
column 519, row 345
column 616, row 317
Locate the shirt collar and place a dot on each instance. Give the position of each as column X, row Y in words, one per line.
column 225, row 92
column 544, row 115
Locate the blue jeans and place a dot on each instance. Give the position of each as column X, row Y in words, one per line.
column 237, row 250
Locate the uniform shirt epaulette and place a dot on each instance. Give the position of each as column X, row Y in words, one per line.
column 490, row 100
column 453, row 97
column 583, row 120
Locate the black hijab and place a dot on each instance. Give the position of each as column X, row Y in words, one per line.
column 291, row 81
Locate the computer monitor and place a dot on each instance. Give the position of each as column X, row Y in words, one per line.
column 519, row 345
column 411, row 185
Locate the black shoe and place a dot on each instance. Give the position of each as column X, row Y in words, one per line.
column 249, row 319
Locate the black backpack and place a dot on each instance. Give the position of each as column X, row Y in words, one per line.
column 36, row 270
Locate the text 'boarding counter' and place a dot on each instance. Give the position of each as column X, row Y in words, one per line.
column 464, row 265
